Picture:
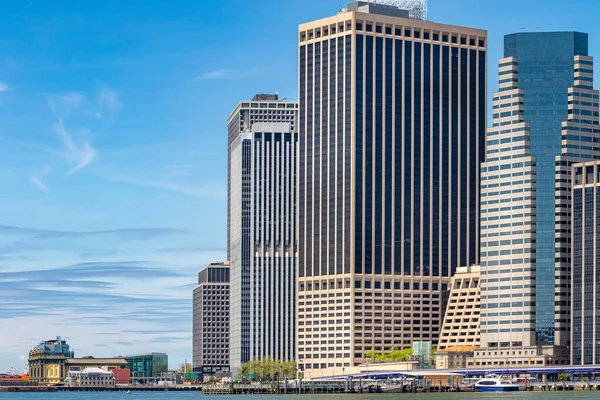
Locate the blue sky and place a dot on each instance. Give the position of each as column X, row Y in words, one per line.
column 113, row 151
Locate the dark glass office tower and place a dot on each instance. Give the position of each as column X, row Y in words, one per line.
column 585, row 344
column 392, row 124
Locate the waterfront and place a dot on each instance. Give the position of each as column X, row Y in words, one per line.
column 578, row 395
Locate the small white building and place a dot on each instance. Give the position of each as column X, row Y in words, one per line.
column 91, row 377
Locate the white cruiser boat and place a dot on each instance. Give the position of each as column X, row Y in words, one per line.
column 495, row 384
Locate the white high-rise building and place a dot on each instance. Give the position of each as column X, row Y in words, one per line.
column 262, row 230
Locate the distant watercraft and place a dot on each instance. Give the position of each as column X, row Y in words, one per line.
column 495, row 384
column 11, row 376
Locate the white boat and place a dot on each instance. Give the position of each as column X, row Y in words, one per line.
column 495, row 384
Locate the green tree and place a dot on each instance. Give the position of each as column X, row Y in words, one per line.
column 185, row 367
column 267, row 369
column 394, row 355
column 564, row 377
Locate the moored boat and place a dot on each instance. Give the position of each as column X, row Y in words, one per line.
column 495, row 384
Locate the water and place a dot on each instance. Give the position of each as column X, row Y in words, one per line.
column 574, row 395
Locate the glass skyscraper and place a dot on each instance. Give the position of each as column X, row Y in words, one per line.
column 392, row 124
column 545, row 118
column 546, row 64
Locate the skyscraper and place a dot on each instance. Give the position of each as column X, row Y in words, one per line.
column 211, row 321
column 262, row 229
column 392, row 124
column 545, row 118
column 585, row 273
column 262, row 108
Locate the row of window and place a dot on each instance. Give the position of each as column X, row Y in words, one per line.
column 389, row 29
column 269, row 105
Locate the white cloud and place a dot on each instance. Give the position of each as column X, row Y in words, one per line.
column 215, row 192
column 72, row 98
column 77, row 155
column 216, row 74
column 37, row 181
column 225, row 73
column 3, row 87
column 108, row 101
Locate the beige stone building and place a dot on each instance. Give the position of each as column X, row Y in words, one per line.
column 455, row 357
column 461, row 320
column 392, row 123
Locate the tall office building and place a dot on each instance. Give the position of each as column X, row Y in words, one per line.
column 392, row 124
column 585, row 261
column 262, row 108
column 211, row 321
column 262, row 229
column 545, row 117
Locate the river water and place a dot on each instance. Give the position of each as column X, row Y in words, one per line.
column 574, row 395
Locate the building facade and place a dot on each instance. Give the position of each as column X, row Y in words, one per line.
column 211, row 321
column 148, row 365
column 585, row 273
column 91, row 377
column 47, row 361
column 545, row 118
column 392, row 124
column 262, row 108
column 461, row 319
column 454, row 357
column 262, row 232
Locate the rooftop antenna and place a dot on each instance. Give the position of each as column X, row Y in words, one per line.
column 417, row 9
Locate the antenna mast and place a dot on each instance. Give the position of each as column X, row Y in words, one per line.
column 417, row 8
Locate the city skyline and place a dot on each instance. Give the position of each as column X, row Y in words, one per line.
column 95, row 183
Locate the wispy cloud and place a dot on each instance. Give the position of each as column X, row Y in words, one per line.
column 77, row 155
column 130, row 234
column 37, row 181
column 3, row 87
column 108, row 101
column 226, row 73
column 215, row 192
column 72, row 98
column 216, row 74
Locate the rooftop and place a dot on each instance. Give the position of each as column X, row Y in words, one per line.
column 92, row 370
column 377, row 8
column 144, row 355
column 265, row 97
column 458, row 349
column 96, row 361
